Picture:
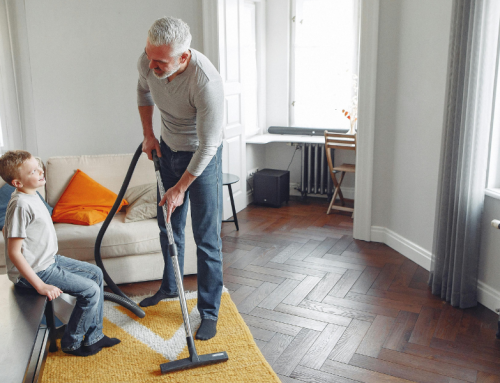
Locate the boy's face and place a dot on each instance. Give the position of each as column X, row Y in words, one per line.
column 30, row 176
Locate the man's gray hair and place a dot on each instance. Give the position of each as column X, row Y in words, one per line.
column 170, row 31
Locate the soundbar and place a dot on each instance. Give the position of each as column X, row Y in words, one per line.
column 295, row 130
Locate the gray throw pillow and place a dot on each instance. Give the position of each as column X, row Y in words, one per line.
column 142, row 203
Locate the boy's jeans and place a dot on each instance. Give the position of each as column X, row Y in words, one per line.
column 83, row 281
column 205, row 196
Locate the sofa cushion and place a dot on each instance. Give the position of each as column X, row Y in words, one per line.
column 120, row 239
column 5, row 192
column 49, row 208
column 143, row 202
column 84, row 202
column 108, row 170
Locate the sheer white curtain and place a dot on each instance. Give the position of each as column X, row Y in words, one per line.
column 9, row 111
column 18, row 128
column 470, row 97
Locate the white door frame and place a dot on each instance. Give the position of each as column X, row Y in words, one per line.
column 368, row 52
column 221, row 25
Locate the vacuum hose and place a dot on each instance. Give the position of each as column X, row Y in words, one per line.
column 118, row 296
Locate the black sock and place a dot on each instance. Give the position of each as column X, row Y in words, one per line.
column 207, row 330
column 99, row 345
column 151, row 301
column 78, row 352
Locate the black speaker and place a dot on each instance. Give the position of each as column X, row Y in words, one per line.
column 271, row 187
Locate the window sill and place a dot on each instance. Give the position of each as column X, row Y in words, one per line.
column 493, row 193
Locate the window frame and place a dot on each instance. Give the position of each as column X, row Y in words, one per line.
column 260, row 40
column 493, row 176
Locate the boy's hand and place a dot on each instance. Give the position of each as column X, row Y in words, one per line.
column 52, row 292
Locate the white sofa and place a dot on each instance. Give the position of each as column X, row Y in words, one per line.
column 131, row 251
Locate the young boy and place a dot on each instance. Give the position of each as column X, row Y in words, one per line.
column 32, row 259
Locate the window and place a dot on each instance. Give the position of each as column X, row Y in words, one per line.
column 494, row 157
column 324, row 63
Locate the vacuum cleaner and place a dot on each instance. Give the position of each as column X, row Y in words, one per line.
column 119, row 297
column 194, row 360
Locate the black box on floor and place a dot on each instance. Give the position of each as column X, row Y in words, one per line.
column 271, row 187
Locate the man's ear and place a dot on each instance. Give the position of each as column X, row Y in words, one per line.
column 16, row 183
column 184, row 57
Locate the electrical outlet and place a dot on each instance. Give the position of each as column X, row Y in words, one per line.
column 252, row 172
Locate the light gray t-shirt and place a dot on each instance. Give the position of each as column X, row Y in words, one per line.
column 27, row 217
column 191, row 107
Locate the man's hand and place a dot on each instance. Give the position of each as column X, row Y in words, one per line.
column 148, row 144
column 52, row 292
column 174, row 197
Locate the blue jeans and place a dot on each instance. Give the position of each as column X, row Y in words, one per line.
column 84, row 281
column 205, row 196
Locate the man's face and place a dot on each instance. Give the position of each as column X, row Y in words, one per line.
column 31, row 174
column 161, row 61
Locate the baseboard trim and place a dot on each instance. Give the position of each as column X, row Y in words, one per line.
column 409, row 249
column 486, row 295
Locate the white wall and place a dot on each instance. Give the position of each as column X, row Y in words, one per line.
column 83, row 58
column 411, row 81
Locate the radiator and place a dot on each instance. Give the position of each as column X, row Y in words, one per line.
column 315, row 177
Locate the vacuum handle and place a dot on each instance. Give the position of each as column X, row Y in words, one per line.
column 161, row 189
column 172, row 251
column 156, row 160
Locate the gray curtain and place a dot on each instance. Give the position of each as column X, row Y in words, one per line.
column 464, row 153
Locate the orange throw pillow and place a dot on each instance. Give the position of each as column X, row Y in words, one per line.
column 84, row 202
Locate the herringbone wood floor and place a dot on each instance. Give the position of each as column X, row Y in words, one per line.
column 326, row 308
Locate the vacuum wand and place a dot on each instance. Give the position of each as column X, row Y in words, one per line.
column 194, row 359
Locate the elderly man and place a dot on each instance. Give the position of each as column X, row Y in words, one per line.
column 188, row 91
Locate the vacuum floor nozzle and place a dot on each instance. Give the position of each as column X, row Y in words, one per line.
column 201, row 360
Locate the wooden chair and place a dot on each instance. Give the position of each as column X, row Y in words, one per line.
column 343, row 142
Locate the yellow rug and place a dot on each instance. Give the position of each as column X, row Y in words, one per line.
column 159, row 337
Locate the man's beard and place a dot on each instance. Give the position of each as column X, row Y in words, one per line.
column 166, row 74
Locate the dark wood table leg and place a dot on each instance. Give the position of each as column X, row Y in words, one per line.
column 232, row 206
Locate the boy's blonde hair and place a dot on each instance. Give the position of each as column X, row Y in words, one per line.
column 10, row 163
